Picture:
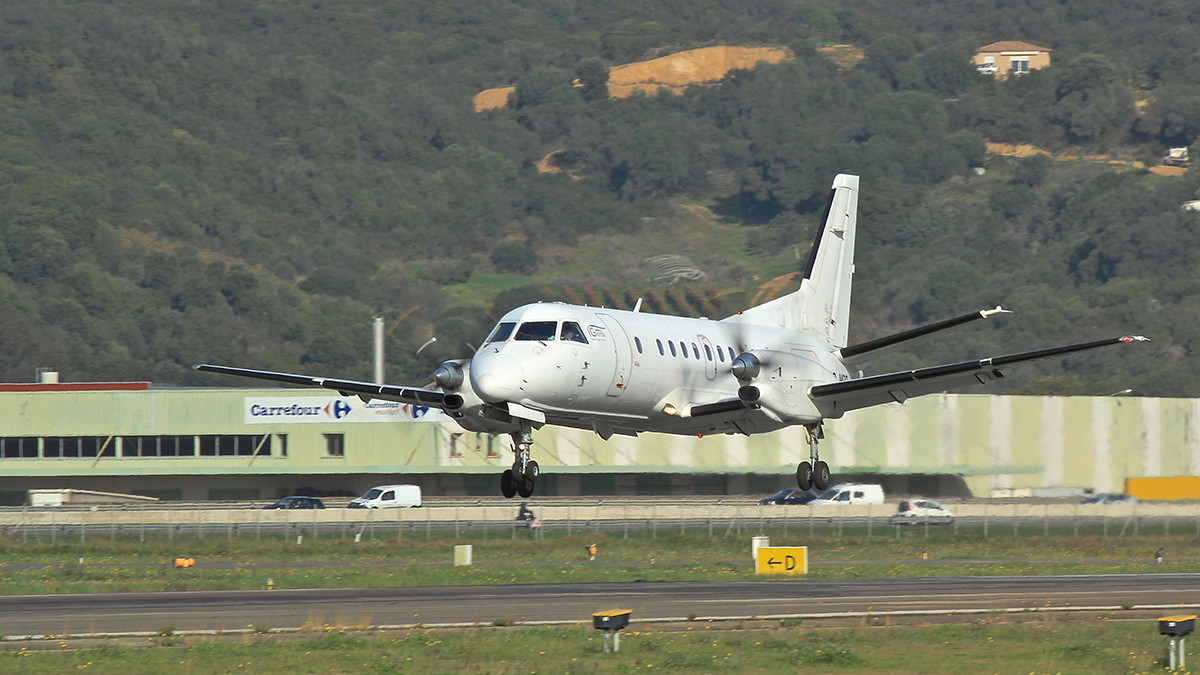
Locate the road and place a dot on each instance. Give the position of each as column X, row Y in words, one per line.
column 58, row 615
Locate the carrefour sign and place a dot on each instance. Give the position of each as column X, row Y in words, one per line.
column 322, row 409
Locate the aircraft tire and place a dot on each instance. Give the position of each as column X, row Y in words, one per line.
column 516, row 471
column 820, row 476
column 508, row 485
column 532, row 470
column 804, row 476
column 525, row 488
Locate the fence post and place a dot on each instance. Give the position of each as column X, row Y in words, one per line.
column 170, row 526
column 985, row 521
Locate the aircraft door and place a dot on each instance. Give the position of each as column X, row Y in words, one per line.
column 624, row 355
column 710, row 357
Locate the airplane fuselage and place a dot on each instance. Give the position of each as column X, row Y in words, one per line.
column 616, row 371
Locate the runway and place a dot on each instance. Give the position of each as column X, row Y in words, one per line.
column 131, row 613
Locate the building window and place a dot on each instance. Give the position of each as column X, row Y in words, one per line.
column 282, row 438
column 335, row 445
column 455, row 445
column 1019, row 65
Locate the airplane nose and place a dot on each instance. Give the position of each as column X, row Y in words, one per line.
column 495, row 378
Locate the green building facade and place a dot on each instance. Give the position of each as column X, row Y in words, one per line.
column 251, row 444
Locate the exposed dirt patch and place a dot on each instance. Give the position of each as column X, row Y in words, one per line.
column 843, row 56
column 1026, row 150
column 672, row 73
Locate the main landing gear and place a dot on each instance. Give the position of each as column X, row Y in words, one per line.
column 520, row 479
column 816, row 473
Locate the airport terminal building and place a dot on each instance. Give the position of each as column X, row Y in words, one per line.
column 263, row 443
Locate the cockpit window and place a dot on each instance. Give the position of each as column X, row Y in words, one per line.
column 502, row 332
column 537, row 330
column 571, row 333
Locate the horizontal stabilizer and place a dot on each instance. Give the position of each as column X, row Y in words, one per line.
column 867, row 351
column 838, row 397
column 367, row 390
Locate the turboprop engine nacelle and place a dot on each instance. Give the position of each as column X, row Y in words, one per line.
column 464, row 405
column 777, row 383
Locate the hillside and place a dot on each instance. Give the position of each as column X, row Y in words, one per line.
column 190, row 180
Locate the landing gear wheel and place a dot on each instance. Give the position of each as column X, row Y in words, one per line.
column 532, row 471
column 516, row 470
column 820, row 475
column 525, row 488
column 508, row 485
column 804, row 476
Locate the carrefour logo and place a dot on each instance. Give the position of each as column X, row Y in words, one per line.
column 340, row 409
column 315, row 410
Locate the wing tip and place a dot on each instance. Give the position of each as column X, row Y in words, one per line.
column 1134, row 338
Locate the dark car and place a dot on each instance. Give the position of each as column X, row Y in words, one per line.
column 790, row 496
column 1110, row 498
column 297, row 503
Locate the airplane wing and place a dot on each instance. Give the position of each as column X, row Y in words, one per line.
column 839, row 397
column 866, row 351
column 431, row 398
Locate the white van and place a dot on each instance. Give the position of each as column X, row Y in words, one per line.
column 851, row 493
column 388, row 497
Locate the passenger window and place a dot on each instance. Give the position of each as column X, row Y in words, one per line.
column 708, row 353
column 537, row 330
column 672, row 346
column 660, row 349
column 637, row 342
column 696, row 351
column 720, row 355
column 732, row 355
column 571, row 333
column 502, row 332
column 683, row 348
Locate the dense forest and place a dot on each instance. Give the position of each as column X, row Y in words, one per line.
column 189, row 180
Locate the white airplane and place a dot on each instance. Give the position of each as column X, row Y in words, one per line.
column 782, row 363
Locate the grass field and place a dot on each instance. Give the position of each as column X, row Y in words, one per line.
column 999, row 644
column 120, row 565
column 983, row 646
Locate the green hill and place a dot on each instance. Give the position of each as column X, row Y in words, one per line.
column 192, row 180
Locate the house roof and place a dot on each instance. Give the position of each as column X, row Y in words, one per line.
column 1012, row 46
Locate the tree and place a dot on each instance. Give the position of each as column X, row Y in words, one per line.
column 593, row 75
column 1092, row 102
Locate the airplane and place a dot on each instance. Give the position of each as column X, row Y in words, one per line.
column 782, row 363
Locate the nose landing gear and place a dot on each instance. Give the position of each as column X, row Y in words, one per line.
column 816, row 473
column 520, row 479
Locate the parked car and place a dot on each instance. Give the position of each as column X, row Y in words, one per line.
column 297, row 503
column 1110, row 498
column 388, row 497
column 851, row 493
column 988, row 68
column 790, row 496
column 914, row 511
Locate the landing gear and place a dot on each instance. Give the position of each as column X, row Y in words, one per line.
column 814, row 474
column 520, row 479
column 508, row 485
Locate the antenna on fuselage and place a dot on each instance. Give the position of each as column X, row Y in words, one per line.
column 637, row 306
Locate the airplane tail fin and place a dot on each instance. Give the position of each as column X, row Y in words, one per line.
column 822, row 304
